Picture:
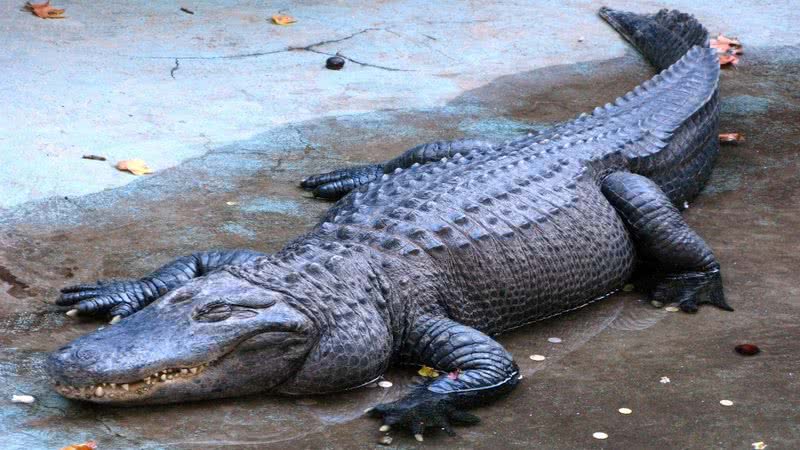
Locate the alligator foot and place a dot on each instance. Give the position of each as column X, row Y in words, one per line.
column 117, row 299
column 336, row 184
column 691, row 289
column 422, row 410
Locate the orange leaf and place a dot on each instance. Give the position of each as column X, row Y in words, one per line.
column 44, row 10
column 90, row 445
column 727, row 58
column 279, row 19
column 731, row 137
column 134, row 166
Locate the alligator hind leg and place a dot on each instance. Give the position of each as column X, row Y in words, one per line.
column 124, row 297
column 334, row 185
column 692, row 274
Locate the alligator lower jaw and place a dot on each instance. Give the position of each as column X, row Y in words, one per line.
column 130, row 391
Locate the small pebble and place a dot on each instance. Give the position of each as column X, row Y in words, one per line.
column 386, row 440
column 671, row 309
column 747, row 349
column 554, row 340
column 22, row 399
column 628, row 288
column 726, row 403
column 581, row 39
column 385, row 384
column 600, row 435
column 664, row 380
column 625, row 410
column 334, row 63
column 231, row 203
column 656, row 303
column 758, row 445
column 538, row 357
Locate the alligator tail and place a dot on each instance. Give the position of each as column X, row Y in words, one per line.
column 662, row 38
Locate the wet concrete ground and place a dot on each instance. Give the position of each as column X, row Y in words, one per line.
column 613, row 353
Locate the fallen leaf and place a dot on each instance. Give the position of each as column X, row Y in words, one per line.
column 727, row 49
column 134, row 166
column 428, row 372
column 728, row 58
column 90, row 445
column 279, row 19
column 44, row 10
column 734, row 138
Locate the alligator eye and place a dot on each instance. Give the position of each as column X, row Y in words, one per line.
column 215, row 312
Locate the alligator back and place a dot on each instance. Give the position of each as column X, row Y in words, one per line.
column 522, row 232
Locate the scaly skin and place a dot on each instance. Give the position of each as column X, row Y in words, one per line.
column 429, row 255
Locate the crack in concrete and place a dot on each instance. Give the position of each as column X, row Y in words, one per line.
column 307, row 48
column 177, row 66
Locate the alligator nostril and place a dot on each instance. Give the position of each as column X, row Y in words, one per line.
column 86, row 354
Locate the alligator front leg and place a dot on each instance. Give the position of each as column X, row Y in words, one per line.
column 476, row 370
column 122, row 298
column 334, row 185
column 692, row 274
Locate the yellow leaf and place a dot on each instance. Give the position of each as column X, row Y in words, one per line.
column 279, row 19
column 134, row 166
column 428, row 372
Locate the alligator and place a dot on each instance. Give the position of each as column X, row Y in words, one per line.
column 425, row 258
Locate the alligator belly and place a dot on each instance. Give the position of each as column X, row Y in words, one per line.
column 569, row 257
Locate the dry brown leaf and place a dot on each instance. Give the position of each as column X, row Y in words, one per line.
column 90, row 445
column 727, row 48
column 280, row 19
column 731, row 137
column 134, row 166
column 44, row 10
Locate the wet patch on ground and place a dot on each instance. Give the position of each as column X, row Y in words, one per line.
column 612, row 353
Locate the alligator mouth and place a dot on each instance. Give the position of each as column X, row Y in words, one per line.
column 131, row 390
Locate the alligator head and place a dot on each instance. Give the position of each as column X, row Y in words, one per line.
column 217, row 336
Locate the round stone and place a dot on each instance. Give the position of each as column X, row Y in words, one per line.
column 747, row 349
column 385, row 384
column 726, row 403
column 538, row 357
column 625, row 410
column 554, row 340
column 334, row 63
column 599, row 435
column 671, row 309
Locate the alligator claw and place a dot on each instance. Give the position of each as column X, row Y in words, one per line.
column 690, row 290
column 420, row 411
column 336, row 184
column 112, row 298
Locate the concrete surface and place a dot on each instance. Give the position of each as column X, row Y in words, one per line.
column 238, row 125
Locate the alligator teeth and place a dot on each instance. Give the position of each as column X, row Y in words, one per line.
column 125, row 387
column 164, row 377
column 193, row 370
column 98, row 392
column 184, row 371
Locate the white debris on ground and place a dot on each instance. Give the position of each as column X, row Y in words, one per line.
column 22, row 399
column 538, row 357
column 625, row 411
column 385, row 384
column 664, row 380
column 599, row 435
column 726, row 403
column 554, row 340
